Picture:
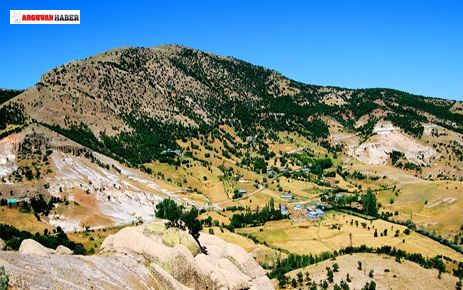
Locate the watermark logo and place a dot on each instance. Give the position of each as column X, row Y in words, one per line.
column 44, row 16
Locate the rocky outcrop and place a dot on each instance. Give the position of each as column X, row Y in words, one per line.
column 32, row 247
column 226, row 266
column 116, row 271
column 143, row 257
column 230, row 261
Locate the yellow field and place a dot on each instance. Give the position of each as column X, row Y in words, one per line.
column 432, row 205
column 387, row 273
column 219, row 216
column 257, row 198
column 22, row 221
column 212, row 188
column 300, row 188
column 319, row 236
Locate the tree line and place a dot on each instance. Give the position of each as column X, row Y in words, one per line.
column 256, row 218
column 13, row 238
column 294, row 261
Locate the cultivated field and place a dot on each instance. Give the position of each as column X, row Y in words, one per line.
column 334, row 232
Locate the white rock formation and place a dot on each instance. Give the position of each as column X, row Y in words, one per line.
column 32, row 247
column 62, row 250
column 144, row 257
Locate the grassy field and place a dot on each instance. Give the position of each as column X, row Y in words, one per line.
column 432, row 205
column 259, row 198
column 387, row 273
column 218, row 216
column 334, row 232
column 22, row 221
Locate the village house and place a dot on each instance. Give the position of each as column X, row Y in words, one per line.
column 284, row 210
column 171, row 151
column 287, row 196
column 312, row 215
column 12, row 201
column 315, row 213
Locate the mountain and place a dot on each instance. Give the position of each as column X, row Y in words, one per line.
column 295, row 174
column 5, row 95
column 172, row 104
column 135, row 102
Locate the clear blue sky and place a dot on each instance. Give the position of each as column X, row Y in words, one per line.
column 415, row 46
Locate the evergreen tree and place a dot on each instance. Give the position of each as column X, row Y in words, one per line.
column 300, row 278
column 369, row 203
column 293, row 283
column 179, row 218
column 330, row 275
column 282, row 281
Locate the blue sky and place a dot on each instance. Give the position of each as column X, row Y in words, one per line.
column 415, row 46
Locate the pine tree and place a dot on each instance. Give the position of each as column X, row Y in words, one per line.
column 369, row 203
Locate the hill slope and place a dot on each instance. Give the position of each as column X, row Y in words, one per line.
column 386, row 272
column 136, row 102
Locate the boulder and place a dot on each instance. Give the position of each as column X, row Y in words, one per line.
column 32, row 247
column 223, row 273
column 2, row 245
column 244, row 261
column 62, row 250
column 155, row 228
column 238, row 256
column 133, row 239
column 216, row 247
column 143, row 257
column 184, row 268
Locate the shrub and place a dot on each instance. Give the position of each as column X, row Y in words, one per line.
column 4, row 278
